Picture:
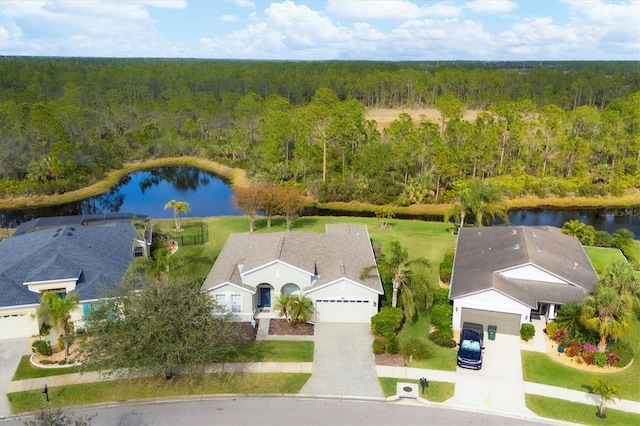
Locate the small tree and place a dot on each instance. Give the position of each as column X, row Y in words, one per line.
column 606, row 390
column 249, row 200
column 178, row 208
column 290, row 203
column 527, row 331
column 301, row 309
column 384, row 216
column 283, row 305
column 59, row 310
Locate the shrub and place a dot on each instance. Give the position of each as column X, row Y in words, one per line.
column 62, row 362
column 387, row 321
column 624, row 352
column 602, row 239
column 527, row 331
column 44, row 329
column 600, row 359
column 612, row 358
column 573, row 349
column 392, row 343
column 588, row 357
column 442, row 341
column 42, row 347
column 47, row 362
column 441, row 296
column 589, row 347
column 445, row 332
column 440, row 315
column 415, row 347
column 559, row 335
column 446, row 269
column 378, row 346
column 552, row 328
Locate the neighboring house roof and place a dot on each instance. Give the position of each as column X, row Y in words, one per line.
column 97, row 256
column 560, row 269
column 342, row 252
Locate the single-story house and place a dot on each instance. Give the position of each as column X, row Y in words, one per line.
column 253, row 270
column 68, row 259
column 504, row 275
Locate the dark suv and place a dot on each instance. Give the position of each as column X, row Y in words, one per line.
column 470, row 346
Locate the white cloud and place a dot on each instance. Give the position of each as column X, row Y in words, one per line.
column 168, row 4
column 491, row 6
column 244, row 3
column 229, row 18
column 388, row 9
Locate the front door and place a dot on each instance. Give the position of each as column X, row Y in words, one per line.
column 265, row 297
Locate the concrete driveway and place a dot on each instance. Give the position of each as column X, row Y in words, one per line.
column 499, row 384
column 343, row 361
column 10, row 353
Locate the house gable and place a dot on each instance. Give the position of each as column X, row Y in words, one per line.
column 277, row 273
column 532, row 273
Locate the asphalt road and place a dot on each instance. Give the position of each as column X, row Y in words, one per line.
column 283, row 411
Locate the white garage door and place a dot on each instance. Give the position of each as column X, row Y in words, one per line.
column 339, row 310
column 505, row 323
column 17, row 325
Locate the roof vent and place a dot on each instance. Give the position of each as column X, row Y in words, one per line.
column 514, row 231
column 68, row 233
column 538, row 249
column 575, row 265
column 533, row 233
column 516, row 247
column 71, row 228
column 56, row 234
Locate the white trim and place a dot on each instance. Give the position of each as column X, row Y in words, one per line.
column 27, row 283
column 231, row 284
column 342, row 279
column 485, row 290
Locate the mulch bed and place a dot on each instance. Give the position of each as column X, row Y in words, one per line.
column 282, row 327
column 246, row 333
column 390, row 360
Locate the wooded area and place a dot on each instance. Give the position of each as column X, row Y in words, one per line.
column 549, row 128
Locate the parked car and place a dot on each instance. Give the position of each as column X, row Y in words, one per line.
column 470, row 346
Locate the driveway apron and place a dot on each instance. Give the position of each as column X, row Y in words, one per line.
column 343, row 361
column 10, row 353
column 499, row 384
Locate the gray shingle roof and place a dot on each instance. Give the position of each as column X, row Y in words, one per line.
column 342, row 252
column 96, row 255
column 483, row 252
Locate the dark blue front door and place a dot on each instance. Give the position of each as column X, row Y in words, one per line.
column 265, row 297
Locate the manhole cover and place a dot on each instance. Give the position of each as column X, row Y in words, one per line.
column 407, row 388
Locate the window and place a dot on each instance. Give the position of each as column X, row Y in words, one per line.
column 230, row 302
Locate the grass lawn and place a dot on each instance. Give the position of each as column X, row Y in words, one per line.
column 26, row 370
column 274, row 351
column 575, row 412
column 132, row 389
column 435, row 392
column 442, row 359
column 602, row 258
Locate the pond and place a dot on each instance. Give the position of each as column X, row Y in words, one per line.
column 146, row 192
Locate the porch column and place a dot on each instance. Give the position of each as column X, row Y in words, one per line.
column 552, row 312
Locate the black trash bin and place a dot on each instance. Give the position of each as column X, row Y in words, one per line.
column 492, row 332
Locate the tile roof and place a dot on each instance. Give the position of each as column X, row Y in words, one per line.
column 342, row 252
column 96, row 255
column 482, row 253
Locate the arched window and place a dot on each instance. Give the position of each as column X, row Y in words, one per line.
column 290, row 288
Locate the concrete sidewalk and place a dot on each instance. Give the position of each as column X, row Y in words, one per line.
column 91, row 377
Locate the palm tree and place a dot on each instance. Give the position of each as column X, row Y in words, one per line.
column 622, row 238
column 59, row 309
column 178, row 207
column 283, row 304
column 568, row 317
column 482, row 200
column 608, row 313
column 398, row 266
column 579, row 230
column 621, row 277
column 606, row 390
column 301, row 309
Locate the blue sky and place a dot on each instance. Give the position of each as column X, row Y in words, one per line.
column 323, row 30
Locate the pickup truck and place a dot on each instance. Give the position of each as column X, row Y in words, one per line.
column 470, row 346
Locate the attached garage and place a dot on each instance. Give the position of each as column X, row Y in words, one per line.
column 342, row 310
column 16, row 325
column 505, row 322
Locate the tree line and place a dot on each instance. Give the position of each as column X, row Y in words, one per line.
column 547, row 128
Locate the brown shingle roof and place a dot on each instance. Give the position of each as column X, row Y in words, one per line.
column 483, row 252
column 342, row 252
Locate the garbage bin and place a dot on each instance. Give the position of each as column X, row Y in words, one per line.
column 492, row 332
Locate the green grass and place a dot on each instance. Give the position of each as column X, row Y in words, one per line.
column 602, row 258
column 435, row 392
column 133, row 389
column 274, row 351
column 26, row 370
column 575, row 412
column 442, row 359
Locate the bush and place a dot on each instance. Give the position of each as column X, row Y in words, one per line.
column 441, row 296
column 42, row 347
column 44, row 329
column 416, row 348
column 602, row 239
column 588, row 357
column 440, row 315
column 600, row 359
column 442, row 341
column 387, row 321
column 443, row 332
column 573, row 349
column 392, row 344
column 624, row 352
column 552, row 328
column 559, row 335
column 612, row 358
column 527, row 331
column 378, row 346
column 446, row 268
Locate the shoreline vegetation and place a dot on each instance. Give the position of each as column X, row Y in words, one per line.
column 237, row 178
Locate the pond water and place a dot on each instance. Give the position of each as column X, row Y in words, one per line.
column 146, row 192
